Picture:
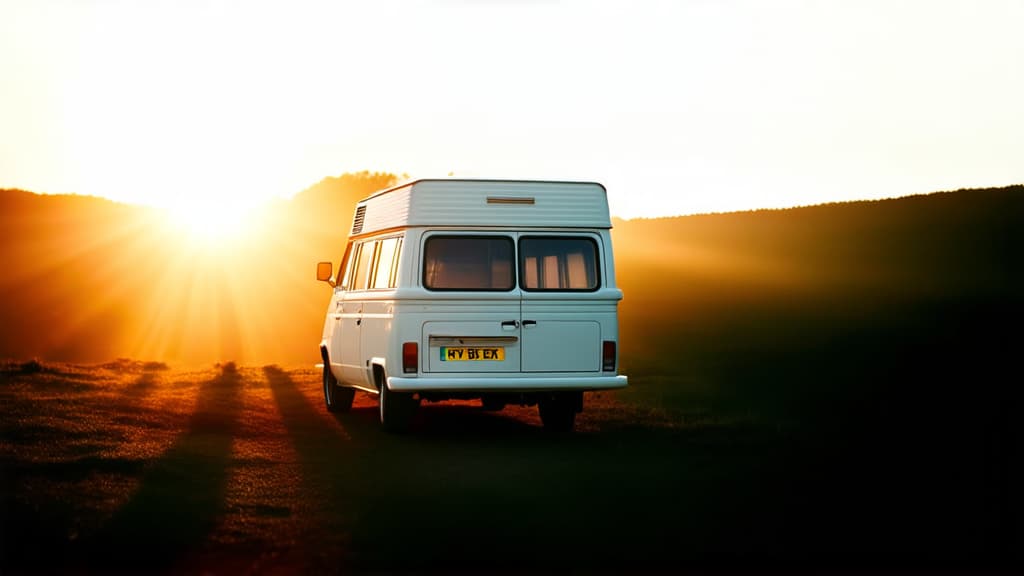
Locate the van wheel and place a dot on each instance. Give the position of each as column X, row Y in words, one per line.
column 396, row 408
column 557, row 413
column 336, row 398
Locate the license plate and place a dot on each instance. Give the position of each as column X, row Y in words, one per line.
column 467, row 353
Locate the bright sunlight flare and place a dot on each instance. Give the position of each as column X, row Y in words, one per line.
column 213, row 222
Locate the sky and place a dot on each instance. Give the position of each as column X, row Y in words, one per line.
column 676, row 107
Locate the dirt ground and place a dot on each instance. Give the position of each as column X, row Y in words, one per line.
column 133, row 466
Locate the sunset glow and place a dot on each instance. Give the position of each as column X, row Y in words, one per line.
column 210, row 123
column 678, row 107
column 214, row 224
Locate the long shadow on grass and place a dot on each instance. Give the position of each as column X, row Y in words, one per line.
column 143, row 386
column 181, row 496
column 328, row 471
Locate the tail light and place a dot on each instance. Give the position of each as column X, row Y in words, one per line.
column 410, row 357
column 608, row 356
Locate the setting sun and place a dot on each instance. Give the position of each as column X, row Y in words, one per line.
column 213, row 223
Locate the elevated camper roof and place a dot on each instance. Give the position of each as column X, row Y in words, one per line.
column 509, row 203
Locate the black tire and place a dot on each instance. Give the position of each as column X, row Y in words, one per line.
column 557, row 413
column 336, row 398
column 396, row 408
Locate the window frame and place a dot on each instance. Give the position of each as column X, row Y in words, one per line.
column 357, row 256
column 521, row 263
column 345, row 269
column 350, row 264
column 509, row 239
column 392, row 269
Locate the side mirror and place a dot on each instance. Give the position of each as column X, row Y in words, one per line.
column 324, row 272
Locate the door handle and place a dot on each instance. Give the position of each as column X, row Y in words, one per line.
column 510, row 324
column 529, row 323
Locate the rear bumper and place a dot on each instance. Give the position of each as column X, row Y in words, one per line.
column 509, row 384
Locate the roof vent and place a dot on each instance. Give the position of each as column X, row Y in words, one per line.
column 511, row 200
column 357, row 223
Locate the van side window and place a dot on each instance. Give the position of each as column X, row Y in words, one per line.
column 345, row 270
column 468, row 263
column 558, row 264
column 387, row 260
column 364, row 257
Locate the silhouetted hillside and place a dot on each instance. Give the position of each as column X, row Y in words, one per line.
column 936, row 243
column 882, row 336
column 310, row 227
column 89, row 279
column 65, row 260
column 323, row 212
column 854, row 290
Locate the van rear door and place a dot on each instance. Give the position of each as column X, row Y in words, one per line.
column 475, row 303
column 562, row 308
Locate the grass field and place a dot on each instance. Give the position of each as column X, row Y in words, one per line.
column 134, row 466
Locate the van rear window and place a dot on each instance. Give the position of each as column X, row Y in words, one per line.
column 558, row 264
column 468, row 263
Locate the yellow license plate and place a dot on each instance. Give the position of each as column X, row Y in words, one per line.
column 467, row 353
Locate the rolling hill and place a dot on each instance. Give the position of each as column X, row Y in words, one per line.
column 89, row 280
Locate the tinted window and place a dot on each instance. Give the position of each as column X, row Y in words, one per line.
column 555, row 263
column 387, row 256
column 468, row 263
column 362, row 271
column 345, row 271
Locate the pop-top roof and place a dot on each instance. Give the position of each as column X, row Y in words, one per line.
column 484, row 203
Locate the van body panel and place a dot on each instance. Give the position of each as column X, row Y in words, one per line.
column 375, row 333
column 561, row 345
column 386, row 211
column 449, row 344
column 345, row 342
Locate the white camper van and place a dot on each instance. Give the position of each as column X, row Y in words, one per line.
column 463, row 289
